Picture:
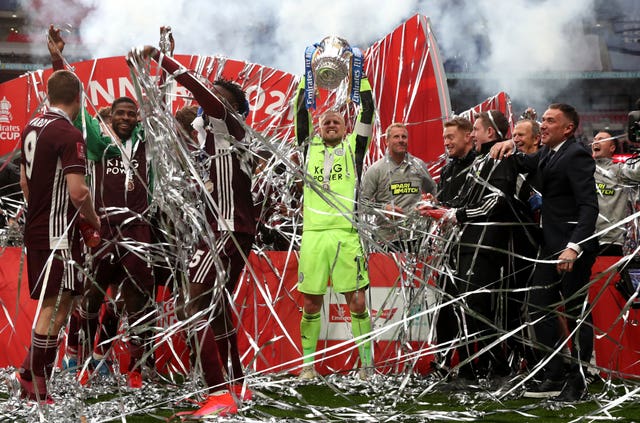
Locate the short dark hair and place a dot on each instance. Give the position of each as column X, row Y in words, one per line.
column 104, row 112
column 495, row 119
column 63, row 87
column 120, row 100
column 569, row 112
column 460, row 122
column 238, row 94
column 613, row 138
column 185, row 117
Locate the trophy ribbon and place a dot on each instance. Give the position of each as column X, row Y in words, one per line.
column 309, row 89
column 165, row 40
column 356, row 74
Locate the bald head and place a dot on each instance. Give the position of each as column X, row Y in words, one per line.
column 332, row 127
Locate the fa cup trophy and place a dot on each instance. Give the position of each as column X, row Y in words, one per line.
column 328, row 64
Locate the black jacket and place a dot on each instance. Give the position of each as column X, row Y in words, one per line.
column 487, row 196
column 569, row 200
column 453, row 177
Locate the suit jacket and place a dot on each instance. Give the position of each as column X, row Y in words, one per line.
column 569, row 200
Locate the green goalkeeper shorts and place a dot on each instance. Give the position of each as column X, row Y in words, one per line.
column 331, row 254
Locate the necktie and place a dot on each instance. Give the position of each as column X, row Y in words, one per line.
column 547, row 158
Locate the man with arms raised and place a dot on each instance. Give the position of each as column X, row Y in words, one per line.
column 331, row 246
column 121, row 177
column 221, row 138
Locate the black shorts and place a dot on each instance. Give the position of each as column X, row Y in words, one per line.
column 125, row 257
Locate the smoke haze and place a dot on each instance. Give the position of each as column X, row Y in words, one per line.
column 500, row 38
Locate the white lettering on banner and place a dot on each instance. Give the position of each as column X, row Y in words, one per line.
column 126, row 87
column 9, row 136
column 108, row 94
column 169, row 318
column 95, row 88
column 258, row 100
column 275, row 107
column 273, row 102
column 386, row 307
column 11, row 128
column 272, row 105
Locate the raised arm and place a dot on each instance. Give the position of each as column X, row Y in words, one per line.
column 364, row 124
column 55, row 44
column 303, row 124
column 97, row 142
column 210, row 103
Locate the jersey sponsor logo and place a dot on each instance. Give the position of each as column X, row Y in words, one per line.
column 404, row 188
column 336, row 173
column 603, row 189
column 115, row 166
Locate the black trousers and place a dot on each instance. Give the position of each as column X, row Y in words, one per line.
column 569, row 290
column 480, row 310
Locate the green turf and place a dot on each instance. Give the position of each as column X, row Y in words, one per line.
column 340, row 399
column 334, row 404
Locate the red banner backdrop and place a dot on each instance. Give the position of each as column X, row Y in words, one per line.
column 16, row 308
column 269, row 331
column 269, row 307
column 616, row 333
column 501, row 102
column 404, row 68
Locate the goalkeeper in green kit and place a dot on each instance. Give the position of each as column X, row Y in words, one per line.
column 331, row 248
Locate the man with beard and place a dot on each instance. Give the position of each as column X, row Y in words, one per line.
column 121, row 185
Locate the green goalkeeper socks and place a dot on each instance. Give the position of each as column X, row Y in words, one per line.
column 309, row 331
column 360, row 325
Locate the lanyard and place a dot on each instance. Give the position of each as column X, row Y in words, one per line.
column 328, row 164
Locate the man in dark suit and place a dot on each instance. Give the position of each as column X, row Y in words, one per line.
column 565, row 172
